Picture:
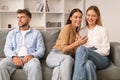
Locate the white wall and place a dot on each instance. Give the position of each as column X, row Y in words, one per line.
column 110, row 13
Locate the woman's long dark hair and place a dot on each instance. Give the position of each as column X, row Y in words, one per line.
column 71, row 13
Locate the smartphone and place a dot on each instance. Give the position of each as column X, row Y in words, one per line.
column 83, row 32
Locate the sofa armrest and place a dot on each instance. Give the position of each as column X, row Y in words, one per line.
column 115, row 53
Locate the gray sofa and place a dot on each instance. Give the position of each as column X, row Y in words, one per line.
column 50, row 36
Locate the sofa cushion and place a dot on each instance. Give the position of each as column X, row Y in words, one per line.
column 19, row 74
column 46, row 71
column 3, row 34
column 110, row 73
column 49, row 37
column 115, row 53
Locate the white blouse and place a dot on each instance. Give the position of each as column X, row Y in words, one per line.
column 97, row 37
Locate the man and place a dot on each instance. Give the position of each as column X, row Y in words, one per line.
column 23, row 48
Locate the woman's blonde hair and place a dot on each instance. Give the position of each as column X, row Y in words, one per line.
column 97, row 11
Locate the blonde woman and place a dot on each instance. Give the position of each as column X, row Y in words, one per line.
column 92, row 55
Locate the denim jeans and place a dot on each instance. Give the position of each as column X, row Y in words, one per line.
column 86, row 63
column 62, row 65
column 32, row 68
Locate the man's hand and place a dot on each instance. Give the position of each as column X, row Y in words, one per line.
column 27, row 58
column 17, row 61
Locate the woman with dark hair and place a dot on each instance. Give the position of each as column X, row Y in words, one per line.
column 92, row 56
column 60, row 56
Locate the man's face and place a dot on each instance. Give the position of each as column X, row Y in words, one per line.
column 23, row 20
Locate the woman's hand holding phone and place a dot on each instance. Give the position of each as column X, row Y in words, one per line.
column 82, row 40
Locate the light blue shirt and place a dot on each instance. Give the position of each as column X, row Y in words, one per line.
column 33, row 42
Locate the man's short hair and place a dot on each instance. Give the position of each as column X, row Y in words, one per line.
column 25, row 11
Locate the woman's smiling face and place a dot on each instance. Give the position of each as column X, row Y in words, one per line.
column 76, row 19
column 91, row 17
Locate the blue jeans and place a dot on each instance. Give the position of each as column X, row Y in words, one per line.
column 86, row 63
column 32, row 68
column 62, row 65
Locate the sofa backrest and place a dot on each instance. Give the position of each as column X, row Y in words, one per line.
column 49, row 36
column 3, row 34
